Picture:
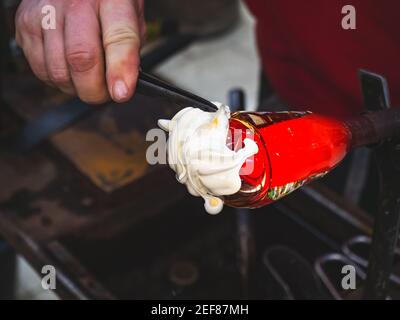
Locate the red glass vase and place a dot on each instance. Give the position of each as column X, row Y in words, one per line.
column 294, row 149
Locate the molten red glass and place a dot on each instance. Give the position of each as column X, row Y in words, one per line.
column 294, row 149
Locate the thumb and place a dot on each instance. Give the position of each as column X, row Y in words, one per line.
column 121, row 41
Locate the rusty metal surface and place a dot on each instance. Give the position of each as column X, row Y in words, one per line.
column 94, row 172
column 108, row 146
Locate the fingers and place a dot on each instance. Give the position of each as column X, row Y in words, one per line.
column 121, row 42
column 29, row 37
column 54, row 55
column 83, row 51
column 94, row 58
column 34, row 53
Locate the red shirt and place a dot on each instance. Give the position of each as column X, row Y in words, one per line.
column 312, row 62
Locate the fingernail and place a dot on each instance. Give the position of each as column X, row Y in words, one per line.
column 120, row 91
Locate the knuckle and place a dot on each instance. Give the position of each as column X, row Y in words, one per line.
column 23, row 20
column 26, row 24
column 83, row 60
column 120, row 35
column 59, row 76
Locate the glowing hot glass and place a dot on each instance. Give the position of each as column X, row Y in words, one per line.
column 294, row 148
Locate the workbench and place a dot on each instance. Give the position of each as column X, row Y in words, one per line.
column 86, row 202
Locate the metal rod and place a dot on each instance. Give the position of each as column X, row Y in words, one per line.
column 373, row 127
column 386, row 226
column 384, row 127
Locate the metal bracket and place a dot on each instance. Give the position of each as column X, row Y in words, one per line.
column 375, row 91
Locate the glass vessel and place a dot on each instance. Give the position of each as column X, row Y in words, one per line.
column 294, row 149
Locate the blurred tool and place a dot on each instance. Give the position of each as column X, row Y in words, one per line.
column 387, row 220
